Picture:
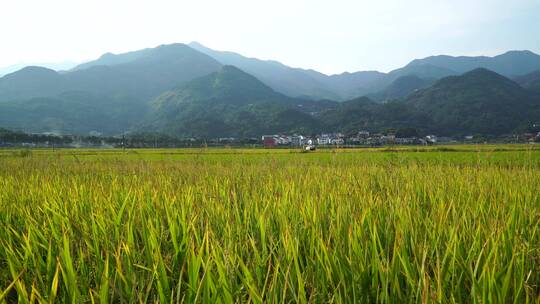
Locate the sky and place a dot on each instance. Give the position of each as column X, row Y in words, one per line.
column 328, row 36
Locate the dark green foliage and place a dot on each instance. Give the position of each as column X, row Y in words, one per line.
column 73, row 113
column 10, row 137
column 107, row 95
column 480, row 101
column 530, row 81
column 228, row 103
column 402, row 87
column 351, row 115
column 365, row 114
column 406, row 132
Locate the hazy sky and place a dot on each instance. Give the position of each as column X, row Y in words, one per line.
column 327, row 35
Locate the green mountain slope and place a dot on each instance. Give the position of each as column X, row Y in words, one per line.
column 229, row 102
column 315, row 85
column 402, row 87
column 351, row 85
column 365, row 114
column 72, row 113
column 30, row 82
column 121, row 86
column 477, row 102
column 530, row 81
column 178, row 90
column 290, row 81
column 297, row 82
column 480, row 101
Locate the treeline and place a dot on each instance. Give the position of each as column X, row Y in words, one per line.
column 8, row 136
column 141, row 140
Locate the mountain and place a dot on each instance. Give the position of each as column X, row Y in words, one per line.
column 530, row 81
column 357, row 114
column 402, row 87
column 297, row 82
column 311, row 84
column 145, row 73
column 351, row 85
column 229, row 102
column 392, row 85
column 477, row 102
column 30, row 82
column 509, row 64
column 72, row 113
column 422, row 70
column 181, row 91
column 290, row 81
column 480, row 101
column 106, row 86
column 143, row 76
column 60, row 66
column 365, row 114
column 114, row 59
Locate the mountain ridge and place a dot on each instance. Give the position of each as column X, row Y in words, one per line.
column 225, row 103
column 181, row 91
column 479, row 101
column 308, row 83
column 144, row 73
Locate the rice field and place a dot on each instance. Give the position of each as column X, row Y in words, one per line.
column 456, row 224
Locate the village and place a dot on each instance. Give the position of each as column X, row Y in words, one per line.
column 365, row 138
column 337, row 139
column 362, row 138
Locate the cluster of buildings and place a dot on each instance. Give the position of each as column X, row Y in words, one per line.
column 362, row 138
column 284, row 140
column 529, row 137
column 325, row 139
column 330, row 139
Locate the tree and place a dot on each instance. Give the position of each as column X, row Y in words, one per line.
column 406, row 132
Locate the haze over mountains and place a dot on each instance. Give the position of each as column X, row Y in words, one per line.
column 57, row 66
column 312, row 84
column 190, row 90
column 228, row 102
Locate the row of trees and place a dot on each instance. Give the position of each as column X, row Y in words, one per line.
column 141, row 140
column 154, row 140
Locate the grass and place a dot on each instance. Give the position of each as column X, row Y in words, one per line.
column 453, row 225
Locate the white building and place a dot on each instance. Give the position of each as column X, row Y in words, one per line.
column 298, row 140
column 431, row 139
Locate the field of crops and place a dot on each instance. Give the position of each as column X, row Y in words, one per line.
column 430, row 225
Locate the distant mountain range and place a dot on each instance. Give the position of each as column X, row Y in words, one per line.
column 193, row 91
column 530, row 81
column 477, row 102
column 58, row 66
column 296, row 82
column 141, row 74
column 228, row 102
